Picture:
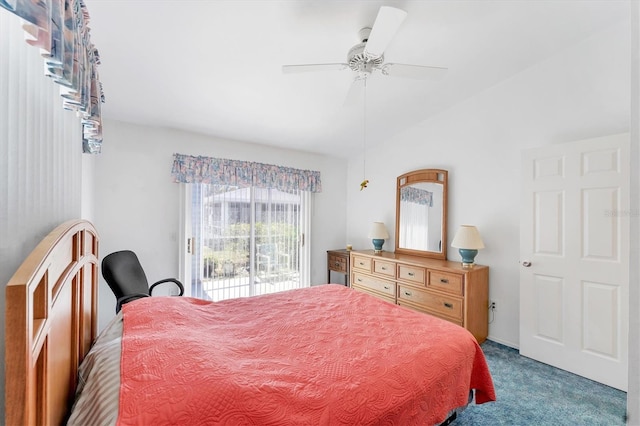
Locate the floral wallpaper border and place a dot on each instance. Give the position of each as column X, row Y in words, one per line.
column 59, row 28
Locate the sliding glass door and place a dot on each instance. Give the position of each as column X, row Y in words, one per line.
column 246, row 241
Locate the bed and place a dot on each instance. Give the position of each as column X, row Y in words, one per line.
column 320, row 355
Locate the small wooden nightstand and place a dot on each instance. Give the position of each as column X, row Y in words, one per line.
column 338, row 261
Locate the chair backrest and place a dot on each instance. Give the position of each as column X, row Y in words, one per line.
column 124, row 274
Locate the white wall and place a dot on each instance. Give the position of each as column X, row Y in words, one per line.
column 43, row 173
column 580, row 93
column 138, row 203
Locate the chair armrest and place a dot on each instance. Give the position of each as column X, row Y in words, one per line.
column 168, row 280
column 128, row 298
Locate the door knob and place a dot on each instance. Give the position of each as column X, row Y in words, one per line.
column 526, row 263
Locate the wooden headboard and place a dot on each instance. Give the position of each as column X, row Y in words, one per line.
column 50, row 324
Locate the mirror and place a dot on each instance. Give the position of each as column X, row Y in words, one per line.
column 421, row 213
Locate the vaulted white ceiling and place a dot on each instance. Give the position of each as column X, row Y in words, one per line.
column 214, row 67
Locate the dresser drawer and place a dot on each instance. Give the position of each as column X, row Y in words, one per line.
column 384, row 268
column 444, row 305
column 413, row 274
column 375, row 284
column 443, row 281
column 338, row 263
column 361, row 262
column 384, row 297
column 456, row 321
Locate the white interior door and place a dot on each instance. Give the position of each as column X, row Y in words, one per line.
column 574, row 248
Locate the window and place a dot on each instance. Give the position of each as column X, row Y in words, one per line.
column 246, row 224
column 247, row 241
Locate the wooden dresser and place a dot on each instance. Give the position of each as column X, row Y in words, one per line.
column 438, row 287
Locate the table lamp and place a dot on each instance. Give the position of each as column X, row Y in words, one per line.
column 378, row 234
column 467, row 241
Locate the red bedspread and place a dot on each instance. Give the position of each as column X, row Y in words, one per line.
column 323, row 355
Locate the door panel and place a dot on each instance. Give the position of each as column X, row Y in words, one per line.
column 548, row 222
column 575, row 237
column 548, row 167
column 601, row 305
column 549, row 311
column 600, row 230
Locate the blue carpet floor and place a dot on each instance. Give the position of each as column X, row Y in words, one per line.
column 531, row 393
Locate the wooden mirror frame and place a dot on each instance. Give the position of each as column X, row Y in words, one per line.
column 424, row 176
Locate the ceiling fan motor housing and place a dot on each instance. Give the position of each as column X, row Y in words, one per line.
column 359, row 60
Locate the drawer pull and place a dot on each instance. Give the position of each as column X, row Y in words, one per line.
column 407, row 293
column 444, row 281
column 411, row 274
column 361, row 263
column 337, row 264
column 448, row 305
column 386, row 287
column 359, row 280
column 384, row 268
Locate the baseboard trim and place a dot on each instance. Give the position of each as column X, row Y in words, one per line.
column 504, row 342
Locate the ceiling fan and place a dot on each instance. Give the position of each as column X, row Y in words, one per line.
column 367, row 57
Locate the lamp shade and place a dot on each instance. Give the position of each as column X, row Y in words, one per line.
column 467, row 237
column 378, row 231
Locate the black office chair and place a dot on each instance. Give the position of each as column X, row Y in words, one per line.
column 125, row 276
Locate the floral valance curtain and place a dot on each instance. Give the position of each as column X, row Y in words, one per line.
column 416, row 195
column 219, row 171
column 59, row 28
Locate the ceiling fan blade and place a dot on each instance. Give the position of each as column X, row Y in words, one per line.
column 384, row 28
column 355, row 95
column 291, row 69
column 417, row 72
